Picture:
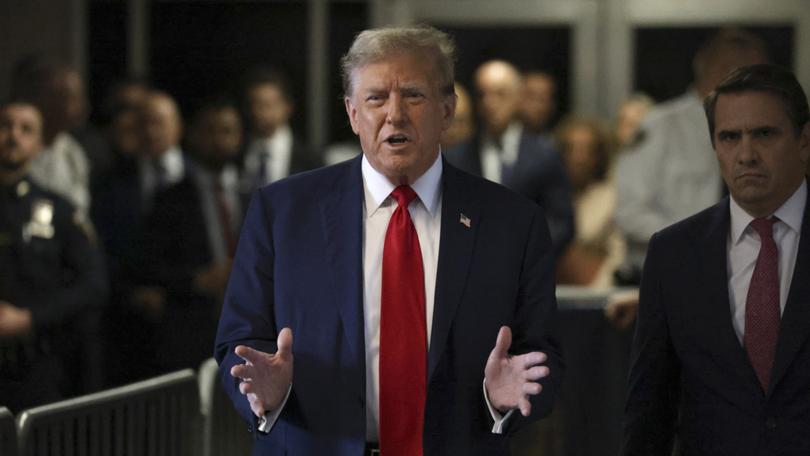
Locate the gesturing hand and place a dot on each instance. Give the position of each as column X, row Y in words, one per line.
column 510, row 380
column 265, row 377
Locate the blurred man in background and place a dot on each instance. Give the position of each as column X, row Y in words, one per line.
column 504, row 152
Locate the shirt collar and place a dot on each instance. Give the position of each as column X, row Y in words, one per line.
column 281, row 139
column 790, row 213
column 378, row 187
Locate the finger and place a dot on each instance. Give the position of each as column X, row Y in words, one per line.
column 246, row 387
column 250, row 355
column 502, row 343
column 525, row 406
column 284, row 342
column 255, row 404
column 242, row 371
column 533, row 359
column 532, row 389
column 537, row 372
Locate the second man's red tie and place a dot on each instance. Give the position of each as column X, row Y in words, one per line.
column 403, row 335
column 762, row 313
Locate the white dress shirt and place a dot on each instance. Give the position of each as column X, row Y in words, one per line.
column 495, row 157
column 743, row 249
column 269, row 157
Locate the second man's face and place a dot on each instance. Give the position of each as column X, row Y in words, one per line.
column 398, row 110
column 761, row 157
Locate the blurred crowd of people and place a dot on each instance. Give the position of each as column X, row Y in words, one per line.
column 123, row 233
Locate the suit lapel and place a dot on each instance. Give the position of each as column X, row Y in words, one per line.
column 455, row 251
column 721, row 337
column 795, row 325
column 342, row 215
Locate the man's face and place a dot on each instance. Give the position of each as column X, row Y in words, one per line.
column 499, row 92
column 218, row 134
column 398, row 110
column 20, row 135
column 269, row 109
column 538, row 104
column 161, row 124
column 761, row 158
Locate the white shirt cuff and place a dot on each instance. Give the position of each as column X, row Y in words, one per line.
column 265, row 423
column 499, row 420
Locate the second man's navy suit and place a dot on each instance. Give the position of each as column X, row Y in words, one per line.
column 691, row 376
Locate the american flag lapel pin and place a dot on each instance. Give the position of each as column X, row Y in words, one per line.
column 464, row 220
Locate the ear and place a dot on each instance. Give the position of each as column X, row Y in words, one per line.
column 448, row 110
column 804, row 143
column 351, row 111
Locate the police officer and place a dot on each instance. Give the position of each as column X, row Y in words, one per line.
column 51, row 274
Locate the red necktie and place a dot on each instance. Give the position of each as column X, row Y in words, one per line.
column 762, row 305
column 225, row 219
column 403, row 335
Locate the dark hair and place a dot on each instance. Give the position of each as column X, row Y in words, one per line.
column 266, row 76
column 32, row 73
column 214, row 103
column 768, row 78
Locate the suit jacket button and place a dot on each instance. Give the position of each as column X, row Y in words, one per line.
column 770, row 423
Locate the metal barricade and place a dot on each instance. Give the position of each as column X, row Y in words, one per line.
column 8, row 433
column 224, row 433
column 155, row 417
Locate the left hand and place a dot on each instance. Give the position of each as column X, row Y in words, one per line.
column 510, row 380
column 14, row 321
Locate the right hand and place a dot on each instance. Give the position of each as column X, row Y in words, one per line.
column 265, row 377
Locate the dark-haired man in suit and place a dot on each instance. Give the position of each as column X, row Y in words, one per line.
column 397, row 274
column 721, row 357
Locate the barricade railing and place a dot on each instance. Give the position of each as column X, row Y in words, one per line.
column 8, row 433
column 155, row 417
column 224, row 431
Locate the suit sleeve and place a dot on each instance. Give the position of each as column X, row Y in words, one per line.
column 248, row 311
column 535, row 318
column 653, row 392
column 556, row 200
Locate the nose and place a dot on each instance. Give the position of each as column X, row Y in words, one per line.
column 747, row 153
column 396, row 110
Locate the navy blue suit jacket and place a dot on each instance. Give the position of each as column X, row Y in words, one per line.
column 299, row 265
column 538, row 174
column 691, row 379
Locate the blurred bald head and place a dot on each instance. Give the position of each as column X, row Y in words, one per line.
column 499, row 87
column 727, row 50
column 161, row 122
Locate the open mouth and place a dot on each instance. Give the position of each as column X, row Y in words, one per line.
column 396, row 139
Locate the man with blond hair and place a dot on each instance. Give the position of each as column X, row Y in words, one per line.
column 420, row 298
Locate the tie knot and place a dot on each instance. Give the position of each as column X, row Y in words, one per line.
column 404, row 195
column 764, row 227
